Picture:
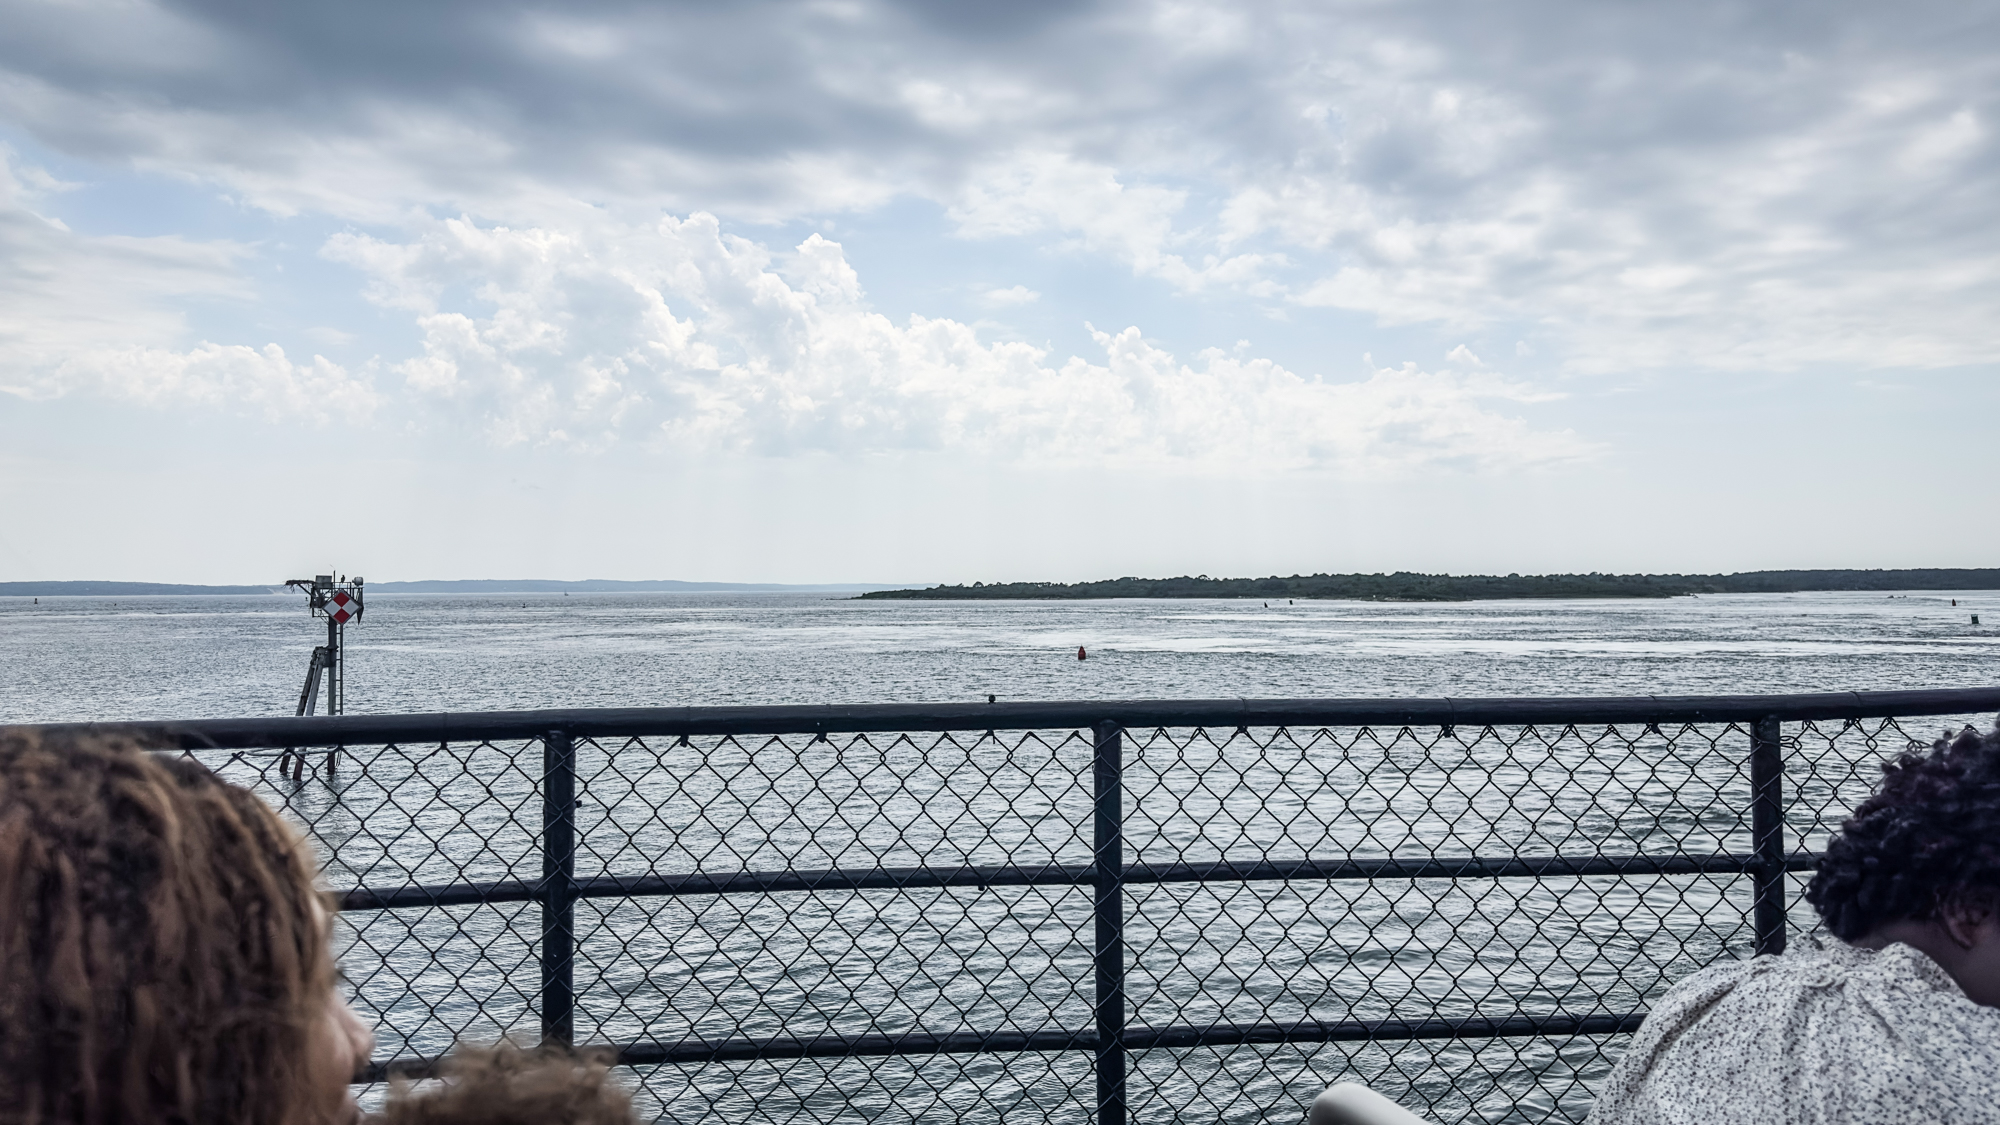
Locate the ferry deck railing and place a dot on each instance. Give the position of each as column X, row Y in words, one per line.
column 1108, row 911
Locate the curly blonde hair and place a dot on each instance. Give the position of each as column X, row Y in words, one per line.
column 505, row 1085
column 164, row 956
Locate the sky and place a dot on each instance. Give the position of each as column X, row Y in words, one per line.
column 870, row 291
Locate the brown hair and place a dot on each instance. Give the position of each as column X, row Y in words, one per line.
column 506, row 1085
column 163, row 953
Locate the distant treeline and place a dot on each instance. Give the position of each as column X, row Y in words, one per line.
column 1405, row 586
column 122, row 589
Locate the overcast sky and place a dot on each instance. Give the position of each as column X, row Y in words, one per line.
column 869, row 291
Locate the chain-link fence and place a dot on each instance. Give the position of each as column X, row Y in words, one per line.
column 1069, row 912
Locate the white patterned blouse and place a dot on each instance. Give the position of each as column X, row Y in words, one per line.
column 1829, row 1036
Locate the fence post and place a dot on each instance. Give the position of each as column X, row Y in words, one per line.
column 558, row 888
column 1767, row 834
column 1108, row 858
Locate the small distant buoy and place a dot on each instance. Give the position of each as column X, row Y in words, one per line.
column 991, row 698
column 1080, row 654
column 1954, row 601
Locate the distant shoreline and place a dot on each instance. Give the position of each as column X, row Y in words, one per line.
column 1405, row 586
column 1402, row 586
column 442, row 586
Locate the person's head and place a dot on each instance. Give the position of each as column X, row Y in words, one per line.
column 163, row 951
column 505, row 1085
column 1923, row 851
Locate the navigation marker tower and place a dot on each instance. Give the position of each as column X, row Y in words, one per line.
column 339, row 601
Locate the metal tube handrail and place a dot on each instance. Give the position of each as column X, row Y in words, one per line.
column 417, row 896
column 1135, row 1038
column 278, row 732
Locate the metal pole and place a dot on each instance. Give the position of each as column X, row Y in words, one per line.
column 1767, row 834
column 1107, row 770
column 333, row 701
column 558, row 888
column 333, row 658
column 340, row 670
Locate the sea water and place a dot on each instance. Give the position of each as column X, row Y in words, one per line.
column 944, row 960
column 189, row 657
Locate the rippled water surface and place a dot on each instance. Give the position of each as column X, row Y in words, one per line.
column 889, row 961
column 76, row 658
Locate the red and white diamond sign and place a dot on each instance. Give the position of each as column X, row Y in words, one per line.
column 342, row 607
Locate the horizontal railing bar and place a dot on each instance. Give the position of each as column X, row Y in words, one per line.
column 897, row 878
column 440, row 894
column 1308, row 1031
column 1454, row 868
column 1136, row 1038
column 622, row 722
column 742, row 882
column 845, row 1046
column 825, row 1046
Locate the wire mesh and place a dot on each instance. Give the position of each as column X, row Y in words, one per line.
column 899, row 927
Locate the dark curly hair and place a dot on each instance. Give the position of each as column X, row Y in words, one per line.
column 1929, row 837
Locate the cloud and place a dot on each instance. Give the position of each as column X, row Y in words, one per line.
column 101, row 315
column 263, row 379
column 60, row 290
column 1029, row 192
column 678, row 333
column 1012, row 295
column 329, row 335
column 1717, row 183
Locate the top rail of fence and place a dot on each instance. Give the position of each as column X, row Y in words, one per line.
column 236, row 734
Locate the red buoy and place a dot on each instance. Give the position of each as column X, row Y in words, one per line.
column 1080, row 654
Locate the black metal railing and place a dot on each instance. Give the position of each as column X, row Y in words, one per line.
column 1463, row 902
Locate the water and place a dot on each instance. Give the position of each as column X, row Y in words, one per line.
column 885, row 962
column 134, row 658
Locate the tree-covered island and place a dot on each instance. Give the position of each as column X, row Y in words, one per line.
column 1407, row 586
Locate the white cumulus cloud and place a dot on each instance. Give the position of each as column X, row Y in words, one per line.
column 678, row 332
column 264, row 381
